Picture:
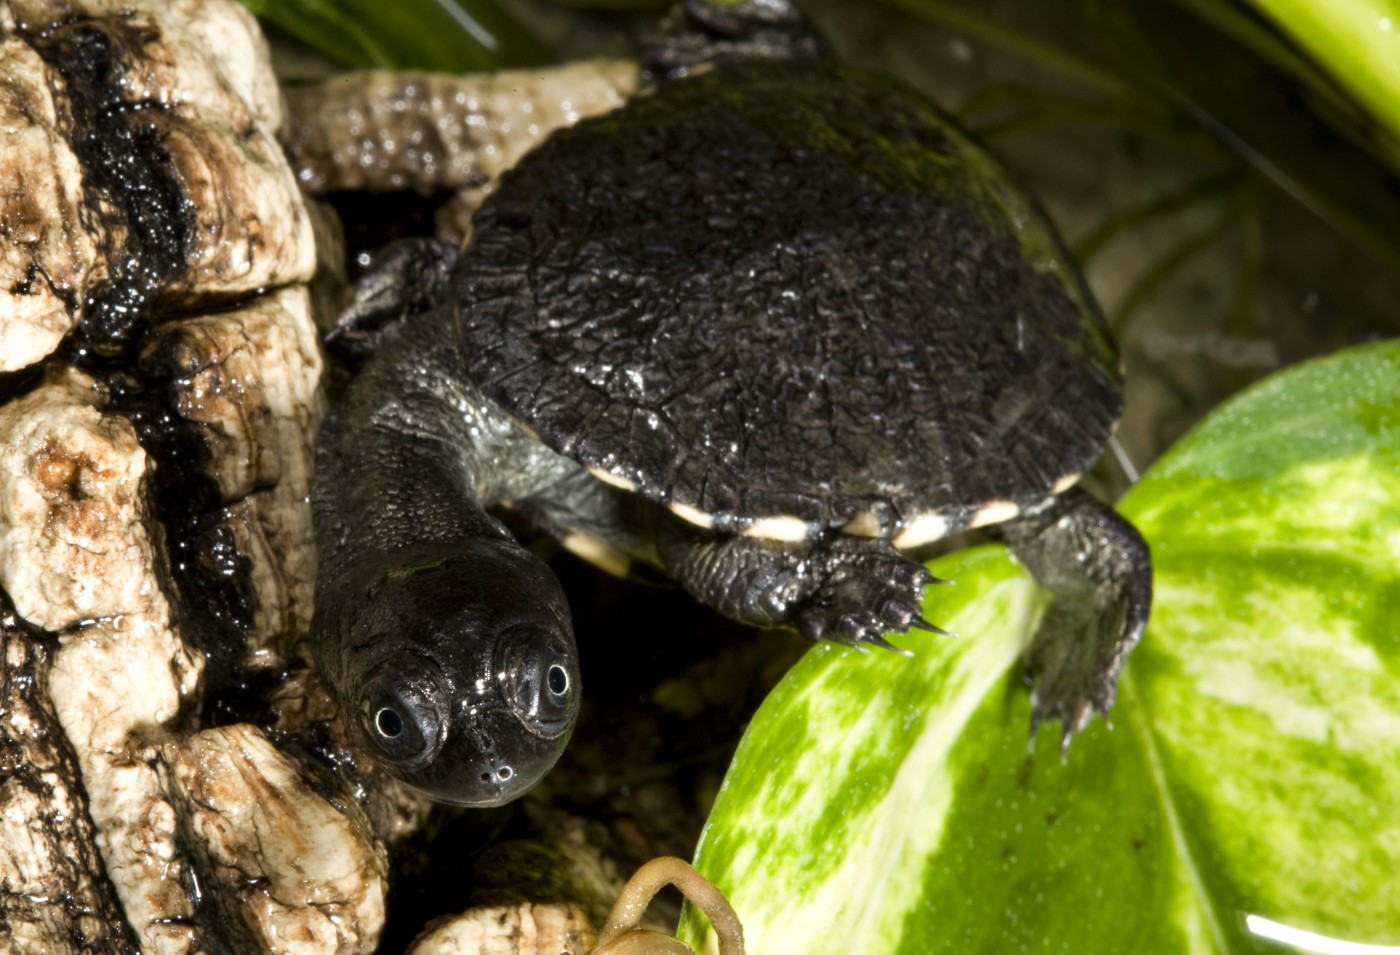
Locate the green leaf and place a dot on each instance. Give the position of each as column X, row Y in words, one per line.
column 1270, row 682
column 885, row 805
column 458, row 36
column 1227, row 80
column 1178, row 70
column 1357, row 42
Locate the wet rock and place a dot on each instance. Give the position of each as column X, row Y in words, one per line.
column 47, row 256
column 389, row 131
column 147, row 172
column 57, row 898
column 282, row 866
column 77, row 558
column 525, row 928
column 432, row 133
column 72, row 541
column 172, row 771
column 245, row 386
column 168, row 773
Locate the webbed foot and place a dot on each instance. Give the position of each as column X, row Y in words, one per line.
column 847, row 590
column 1099, row 571
column 864, row 589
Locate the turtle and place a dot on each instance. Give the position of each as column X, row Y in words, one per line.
column 766, row 327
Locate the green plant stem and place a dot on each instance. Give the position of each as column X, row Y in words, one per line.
column 1197, row 191
column 1157, row 276
column 998, row 34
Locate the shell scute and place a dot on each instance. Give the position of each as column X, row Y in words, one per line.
column 900, row 339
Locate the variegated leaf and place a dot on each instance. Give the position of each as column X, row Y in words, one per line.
column 1248, row 790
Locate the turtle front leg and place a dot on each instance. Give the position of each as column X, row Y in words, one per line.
column 1099, row 571
column 849, row 590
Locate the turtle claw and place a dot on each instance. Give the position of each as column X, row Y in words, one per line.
column 927, row 578
column 849, row 590
column 922, row 624
column 855, row 629
column 900, row 615
column 884, row 644
column 1076, row 659
column 863, row 629
column 810, row 626
column 866, row 590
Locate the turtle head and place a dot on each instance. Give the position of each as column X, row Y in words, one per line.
column 454, row 668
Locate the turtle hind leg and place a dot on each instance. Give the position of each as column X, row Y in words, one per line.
column 1098, row 570
column 848, row 590
column 610, row 528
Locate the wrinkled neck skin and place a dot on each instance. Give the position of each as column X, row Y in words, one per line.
column 448, row 647
column 415, row 454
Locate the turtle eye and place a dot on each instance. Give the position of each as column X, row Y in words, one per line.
column 400, row 716
column 557, row 680
column 539, row 680
column 400, row 727
column 388, row 723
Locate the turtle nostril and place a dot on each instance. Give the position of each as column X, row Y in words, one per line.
column 504, row 773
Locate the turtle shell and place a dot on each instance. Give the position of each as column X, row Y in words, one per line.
column 788, row 299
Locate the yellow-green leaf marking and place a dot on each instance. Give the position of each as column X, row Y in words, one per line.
column 1269, row 678
column 884, row 805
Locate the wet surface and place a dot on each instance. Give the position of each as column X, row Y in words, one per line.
column 129, row 179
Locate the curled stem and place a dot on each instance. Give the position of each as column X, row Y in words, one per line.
column 621, row 936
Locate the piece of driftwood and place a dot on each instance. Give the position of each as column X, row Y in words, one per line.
column 173, row 778
column 157, row 407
